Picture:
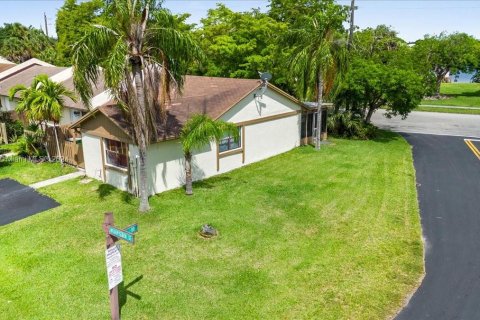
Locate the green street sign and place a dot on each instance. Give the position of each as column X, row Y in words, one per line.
column 121, row 234
column 132, row 229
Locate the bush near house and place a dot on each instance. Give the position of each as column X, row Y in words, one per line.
column 327, row 235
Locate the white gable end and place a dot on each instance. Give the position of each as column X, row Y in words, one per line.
column 251, row 108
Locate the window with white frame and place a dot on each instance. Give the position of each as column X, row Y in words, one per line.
column 228, row 143
column 75, row 115
column 116, row 154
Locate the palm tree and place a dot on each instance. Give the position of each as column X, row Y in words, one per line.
column 43, row 102
column 142, row 56
column 319, row 56
column 198, row 131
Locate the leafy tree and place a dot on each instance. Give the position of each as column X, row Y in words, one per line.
column 369, row 85
column 19, row 43
column 42, row 102
column 198, row 131
column 319, row 55
column 73, row 19
column 143, row 57
column 240, row 44
column 381, row 44
column 457, row 52
column 476, row 77
column 293, row 12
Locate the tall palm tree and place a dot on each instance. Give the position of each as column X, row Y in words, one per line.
column 43, row 102
column 142, row 56
column 198, row 131
column 319, row 56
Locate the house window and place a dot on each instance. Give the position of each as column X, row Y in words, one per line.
column 76, row 114
column 116, row 154
column 228, row 143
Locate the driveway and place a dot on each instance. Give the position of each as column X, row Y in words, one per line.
column 18, row 201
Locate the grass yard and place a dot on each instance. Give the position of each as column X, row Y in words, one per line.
column 333, row 234
column 6, row 148
column 460, row 94
column 27, row 172
column 448, row 110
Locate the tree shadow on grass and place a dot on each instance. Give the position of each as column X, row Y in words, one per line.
column 104, row 190
column 464, row 94
column 124, row 292
column 209, row 183
column 4, row 163
column 384, row 136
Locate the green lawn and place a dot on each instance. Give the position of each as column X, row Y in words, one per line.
column 5, row 148
column 460, row 94
column 333, row 234
column 448, row 110
column 27, row 172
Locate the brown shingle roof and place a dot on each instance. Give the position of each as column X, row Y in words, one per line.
column 26, row 76
column 6, row 66
column 201, row 95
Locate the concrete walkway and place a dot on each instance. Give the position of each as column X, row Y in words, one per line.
column 449, row 107
column 66, row 177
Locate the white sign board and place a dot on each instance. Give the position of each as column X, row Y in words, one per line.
column 114, row 267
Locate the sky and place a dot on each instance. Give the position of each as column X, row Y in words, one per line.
column 411, row 18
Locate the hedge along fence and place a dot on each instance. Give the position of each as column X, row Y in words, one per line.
column 70, row 144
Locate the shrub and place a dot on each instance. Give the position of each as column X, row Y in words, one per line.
column 350, row 125
column 14, row 127
column 30, row 144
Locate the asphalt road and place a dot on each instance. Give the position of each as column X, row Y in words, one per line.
column 18, row 201
column 431, row 122
column 448, row 182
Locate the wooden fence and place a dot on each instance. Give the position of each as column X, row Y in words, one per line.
column 70, row 145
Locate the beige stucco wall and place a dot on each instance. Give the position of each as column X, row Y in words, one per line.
column 166, row 161
column 92, row 154
column 262, row 140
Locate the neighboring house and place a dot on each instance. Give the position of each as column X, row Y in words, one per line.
column 24, row 73
column 21, row 75
column 269, row 121
column 5, row 64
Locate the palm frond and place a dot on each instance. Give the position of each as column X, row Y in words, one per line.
column 200, row 130
column 88, row 53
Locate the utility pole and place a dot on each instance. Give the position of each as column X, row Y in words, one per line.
column 46, row 26
column 352, row 25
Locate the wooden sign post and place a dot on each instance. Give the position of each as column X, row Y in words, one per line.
column 114, row 260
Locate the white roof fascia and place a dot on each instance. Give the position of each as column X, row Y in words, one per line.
column 22, row 66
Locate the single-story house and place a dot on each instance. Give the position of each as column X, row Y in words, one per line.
column 269, row 121
column 24, row 74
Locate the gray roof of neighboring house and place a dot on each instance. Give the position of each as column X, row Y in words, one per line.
column 6, row 66
column 26, row 76
column 97, row 89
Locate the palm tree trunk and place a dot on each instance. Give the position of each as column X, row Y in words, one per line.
column 188, row 174
column 58, row 144
column 141, row 134
column 319, row 110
